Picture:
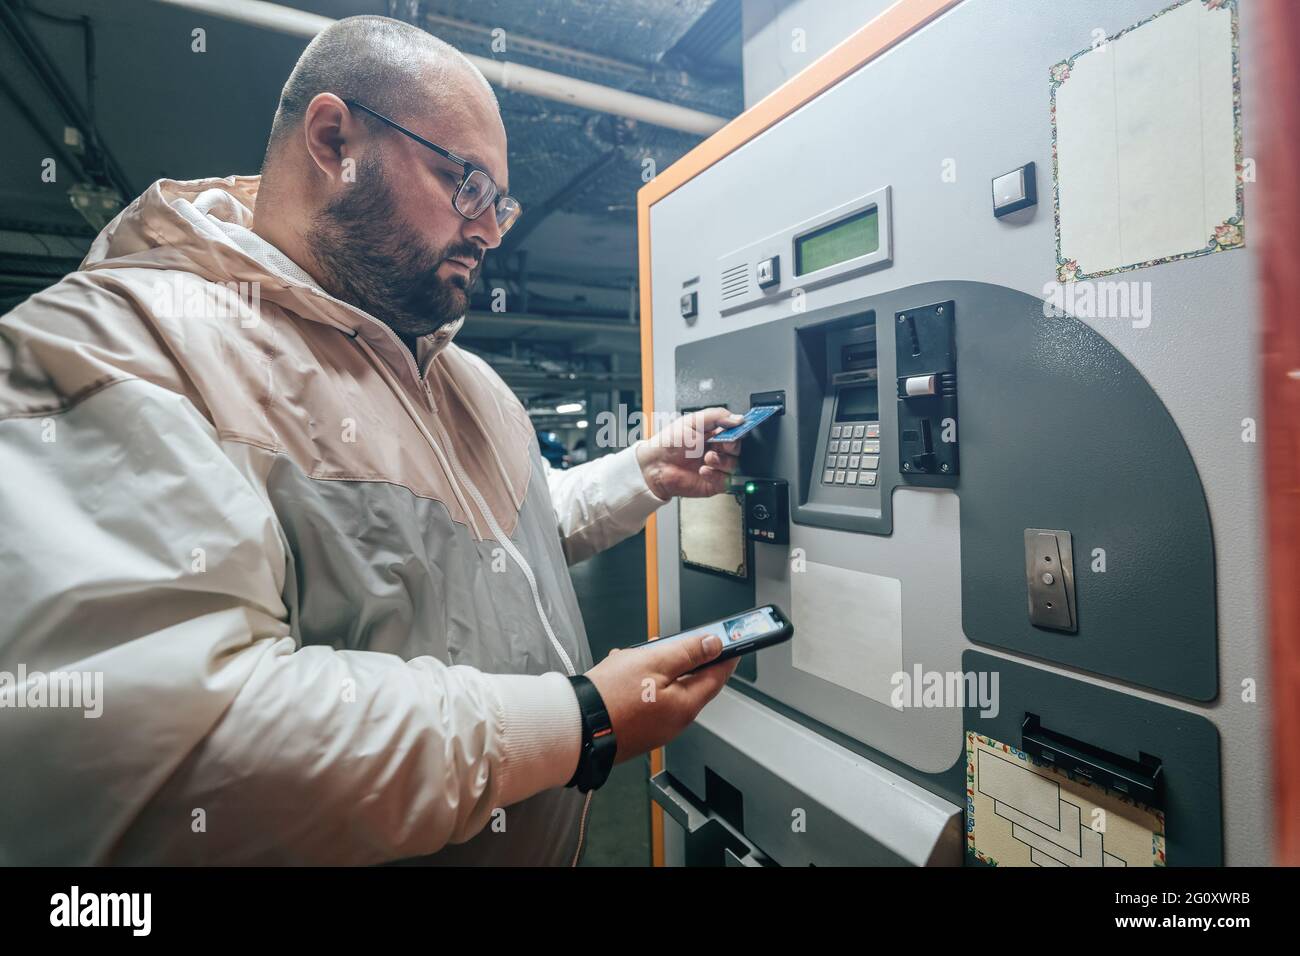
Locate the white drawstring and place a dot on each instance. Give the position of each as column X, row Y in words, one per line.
column 582, row 828
column 455, row 472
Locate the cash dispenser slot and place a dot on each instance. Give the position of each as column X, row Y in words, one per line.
column 711, row 837
column 1141, row 779
column 729, row 782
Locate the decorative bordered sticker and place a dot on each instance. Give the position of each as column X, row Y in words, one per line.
column 1124, row 189
column 1022, row 813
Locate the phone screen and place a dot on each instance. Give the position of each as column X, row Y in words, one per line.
column 735, row 630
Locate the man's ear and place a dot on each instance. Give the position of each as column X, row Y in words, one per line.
column 329, row 132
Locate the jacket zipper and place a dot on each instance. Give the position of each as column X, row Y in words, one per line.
column 497, row 533
column 459, row 473
column 519, row 559
column 514, row 553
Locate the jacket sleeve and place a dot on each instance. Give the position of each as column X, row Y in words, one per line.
column 600, row 502
column 140, row 566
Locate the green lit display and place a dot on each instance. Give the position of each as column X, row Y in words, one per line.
column 849, row 238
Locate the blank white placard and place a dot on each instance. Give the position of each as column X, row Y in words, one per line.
column 848, row 628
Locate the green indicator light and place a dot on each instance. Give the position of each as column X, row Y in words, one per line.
column 749, row 487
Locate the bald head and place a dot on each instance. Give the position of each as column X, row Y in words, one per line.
column 373, row 215
column 391, row 66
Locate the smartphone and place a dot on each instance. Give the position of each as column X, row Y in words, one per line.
column 742, row 633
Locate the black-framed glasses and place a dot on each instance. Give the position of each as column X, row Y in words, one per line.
column 476, row 191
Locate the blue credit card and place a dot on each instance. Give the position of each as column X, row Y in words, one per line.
column 753, row 418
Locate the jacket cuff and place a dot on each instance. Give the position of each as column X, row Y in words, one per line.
column 627, row 496
column 540, row 733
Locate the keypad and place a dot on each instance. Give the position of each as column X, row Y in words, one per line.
column 853, row 455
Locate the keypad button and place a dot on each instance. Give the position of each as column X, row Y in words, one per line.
column 828, row 476
column 873, row 430
column 866, row 478
column 839, row 477
column 842, row 461
column 857, row 431
column 853, row 461
column 835, row 431
column 856, row 446
column 852, row 478
column 835, row 446
column 870, row 461
column 830, row 461
column 870, row 447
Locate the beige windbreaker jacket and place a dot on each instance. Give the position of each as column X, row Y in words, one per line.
column 271, row 592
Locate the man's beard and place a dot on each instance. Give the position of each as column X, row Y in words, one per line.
column 371, row 259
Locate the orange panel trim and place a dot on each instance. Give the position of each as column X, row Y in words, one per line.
column 892, row 26
column 888, row 29
column 651, row 527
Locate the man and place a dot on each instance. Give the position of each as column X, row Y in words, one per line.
column 307, row 543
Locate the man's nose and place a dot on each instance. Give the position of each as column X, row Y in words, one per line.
column 483, row 231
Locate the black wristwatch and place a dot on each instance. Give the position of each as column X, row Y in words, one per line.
column 598, row 744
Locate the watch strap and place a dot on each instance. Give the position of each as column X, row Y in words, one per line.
column 599, row 747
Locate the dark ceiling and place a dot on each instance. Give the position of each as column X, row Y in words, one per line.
column 162, row 110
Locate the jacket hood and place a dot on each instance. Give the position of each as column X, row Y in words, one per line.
column 204, row 226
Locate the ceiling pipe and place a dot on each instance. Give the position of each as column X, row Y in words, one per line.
column 507, row 76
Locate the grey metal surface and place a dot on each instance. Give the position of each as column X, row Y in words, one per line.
column 1060, row 431
column 972, row 88
column 1150, row 617
column 809, row 800
column 929, row 568
column 1187, row 744
column 782, row 37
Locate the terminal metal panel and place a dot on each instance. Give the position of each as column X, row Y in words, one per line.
column 1113, row 445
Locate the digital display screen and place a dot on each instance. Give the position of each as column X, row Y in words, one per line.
column 858, row 404
column 747, row 627
column 857, row 235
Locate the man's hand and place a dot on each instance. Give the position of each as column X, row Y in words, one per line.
column 676, row 461
column 648, row 694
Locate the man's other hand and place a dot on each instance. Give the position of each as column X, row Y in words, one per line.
column 677, row 462
column 650, row 694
